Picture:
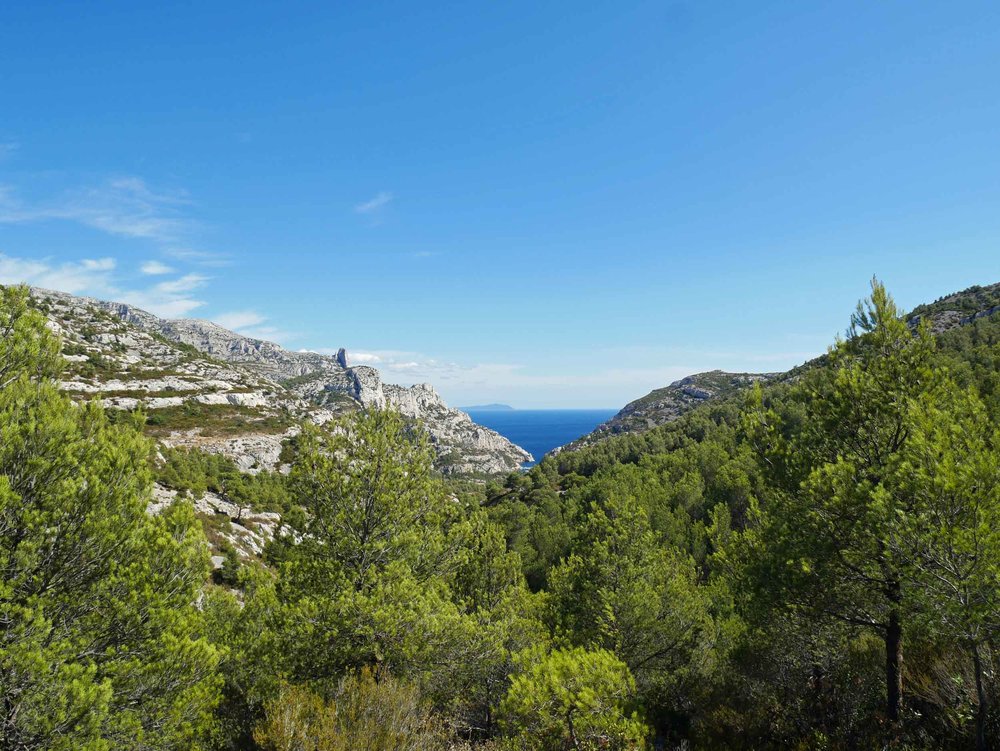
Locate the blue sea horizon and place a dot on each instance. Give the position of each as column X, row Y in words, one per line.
column 541, row 430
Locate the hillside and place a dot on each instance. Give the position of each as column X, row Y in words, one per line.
column 205, row 387
column 958, row 308
column 753, row 494
column 664, row 405
column 684, row 527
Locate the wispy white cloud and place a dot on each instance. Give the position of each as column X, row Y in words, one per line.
column 489, row 377
column 386, row 360
column 198, row 257
column 155, row 268
column 268, row 333
column 170, row 298
column 92, row 276
column 750, row 357
column 465, row 383
column 7, row 148
column 98, row 264
column 253, row 324
column 365, row 358
column 182, row 284
column 374, row 205
column 122, row 206
column 474, row 382
column 162, row 305
column 97, row 277
column 239, row 319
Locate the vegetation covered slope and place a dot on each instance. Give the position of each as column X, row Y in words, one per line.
column 832, row 515
column 666, row 404
column 813, row 565
column 958, row 308
column 205, row 387
column 101, row 646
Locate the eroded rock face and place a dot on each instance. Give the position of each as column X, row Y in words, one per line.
column 462, row 445
column 252, row 453
column 206, row 387
column 247, row 530
column 367, row 387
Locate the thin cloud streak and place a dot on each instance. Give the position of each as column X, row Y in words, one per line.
column 372, row 206
column 410, row 367
column 89, row 275
column 250, row 323
column 239, row 319
column 96, row 278
column 123, row 206
column 155, row 268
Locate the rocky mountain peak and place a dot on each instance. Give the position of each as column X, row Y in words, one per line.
column 203, row 385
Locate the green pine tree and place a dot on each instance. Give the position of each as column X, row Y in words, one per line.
column 948, row 482
column 620, row 590
column 824, row 539
column 100, row 641
column 573, row 699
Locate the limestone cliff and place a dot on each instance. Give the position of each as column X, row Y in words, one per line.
column 203, row 385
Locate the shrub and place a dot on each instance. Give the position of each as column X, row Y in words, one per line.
column 572, row 698
column 365, row 713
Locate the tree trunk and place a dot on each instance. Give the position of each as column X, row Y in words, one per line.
column 572, row 730
column 819, row 707
column 7, row 732
column 894, row 658
column 983, row 702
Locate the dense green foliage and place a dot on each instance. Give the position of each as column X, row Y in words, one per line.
column 836, row 520
column 195, row 472
column 813, row 563
column 572, row 698
column 970, row 301
column 363, row 713
column 100, row 644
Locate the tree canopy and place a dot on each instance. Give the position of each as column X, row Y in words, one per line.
column 812, row 563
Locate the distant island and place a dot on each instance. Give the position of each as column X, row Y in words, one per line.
column 488, row 408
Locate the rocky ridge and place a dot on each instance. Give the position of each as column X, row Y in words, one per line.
column 207, row 387
column 666, row 404
column 958, row 308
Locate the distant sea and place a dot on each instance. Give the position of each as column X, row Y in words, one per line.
column 541, row 430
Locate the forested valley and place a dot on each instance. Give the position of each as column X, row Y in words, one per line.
column 810, row 564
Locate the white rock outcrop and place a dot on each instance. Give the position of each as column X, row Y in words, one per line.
column 247, row 392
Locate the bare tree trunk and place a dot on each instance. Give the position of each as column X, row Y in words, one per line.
column 8, row 739
column 983, row 702
column 894, row 657
column 572, row 730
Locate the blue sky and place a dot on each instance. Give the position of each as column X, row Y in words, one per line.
column 545, row 204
